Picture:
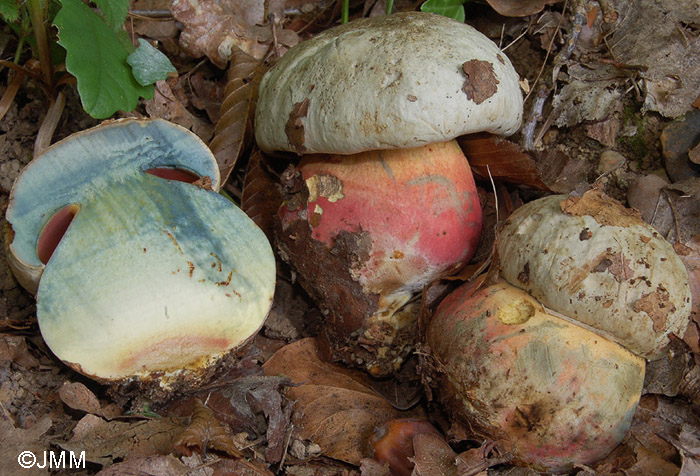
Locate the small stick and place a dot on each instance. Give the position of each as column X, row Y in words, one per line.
column 272, row 18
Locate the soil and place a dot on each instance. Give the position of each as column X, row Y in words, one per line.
column 608, row 146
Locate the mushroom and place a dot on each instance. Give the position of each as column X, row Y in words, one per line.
column 547, row 391
column 550, row 360
column 599, row 263
column 383, row 201
column 141, row 269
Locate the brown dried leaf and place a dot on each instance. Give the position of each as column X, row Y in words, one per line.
column 434, row 457
column 206, row 96
column 694, row 154
column 104, row 441
column 14, row 349
column 148, row 466
column 228, row 467
column 205, row 432
column 209, row 30
column 14, row 441
column 605, row 210
column 233, row 131
column 261, row 197
column 689, row 253
column 167, row 105
column 668, row 63
column 649, row 462
column 370, row 467
column 335, row 408
column 79, row 397
column 238, row 405
column 519, row 8
column 502, row 159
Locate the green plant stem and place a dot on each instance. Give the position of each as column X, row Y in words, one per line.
column 18, row 51
column 345, row 11
column 36, row 13
column 389, row 6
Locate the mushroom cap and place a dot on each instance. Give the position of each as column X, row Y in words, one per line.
column 153, row 276
column 602, row 266
column 387, row 82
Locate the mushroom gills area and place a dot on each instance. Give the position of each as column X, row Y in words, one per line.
column 154, row 275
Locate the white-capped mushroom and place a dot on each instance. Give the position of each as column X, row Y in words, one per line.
column 394, row 205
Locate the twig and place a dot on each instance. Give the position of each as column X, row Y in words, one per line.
column 486, row 464
column 157, row 15
column 272, row 18
column 286, row 446
column 36, row 14
column 549, row 49
column 48, row 125
column 10, row 93
column 517, row 38
column 535, row 117
column 547, row 124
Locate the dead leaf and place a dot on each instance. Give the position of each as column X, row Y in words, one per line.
column 694, row 154
column 167, row 105
column 14, row 441
column 207, row 95
column 519, row 8
column 217, row 29
column 603, row 209
column 689, row 253
column 261, row 394
column 205, row 432
column 228, row 467
column 649, row 462
column 490, row 156
column 104, row 441
column 665, row 376
column 290, row 313
column 670, row 64
column 370, row 467
column 261, row 198
column 14, row 349
column 79, row 397
column 233, row 130
column 434, row 457
column 334, row 408
column 159, row 465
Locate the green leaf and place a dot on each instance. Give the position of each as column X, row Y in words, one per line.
column 449, row 8
column 96, row 56
column 149, row 64
column 114, row 12
column 9, row 10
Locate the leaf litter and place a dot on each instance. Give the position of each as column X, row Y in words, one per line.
column 633, row 68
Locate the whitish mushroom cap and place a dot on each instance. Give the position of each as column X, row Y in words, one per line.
column 600, row 266
column 387, row 82
column 152, row 275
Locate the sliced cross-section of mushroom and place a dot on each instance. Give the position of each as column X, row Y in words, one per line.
column 155, row 273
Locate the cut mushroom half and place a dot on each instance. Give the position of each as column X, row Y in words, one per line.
column 142, row 268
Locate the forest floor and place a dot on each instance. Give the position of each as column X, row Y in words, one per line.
column 612, row 102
